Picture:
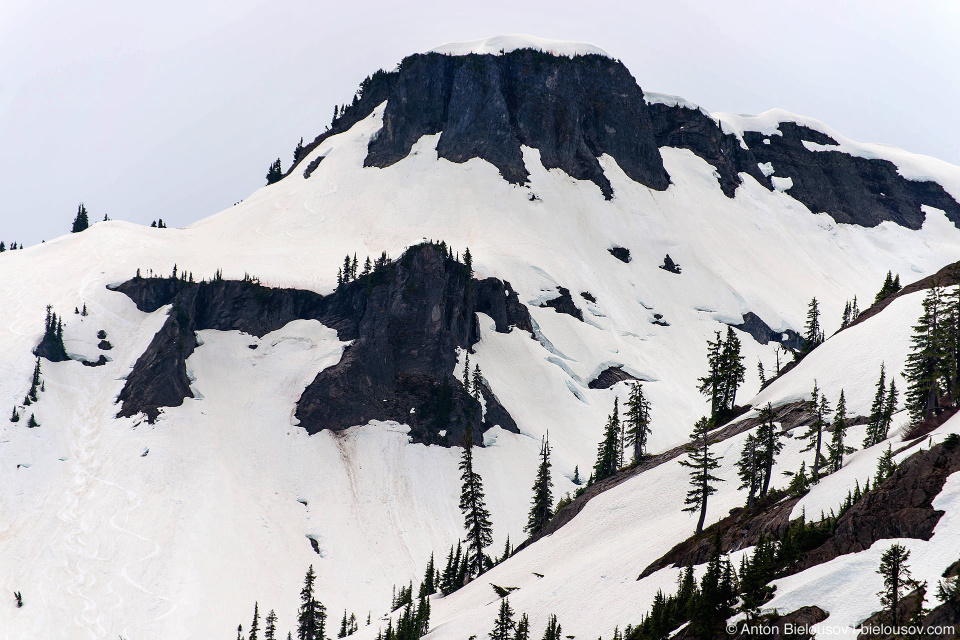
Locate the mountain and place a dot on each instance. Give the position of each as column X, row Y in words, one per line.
column 251, row 416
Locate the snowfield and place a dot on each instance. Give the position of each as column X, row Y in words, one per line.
column 114, row 527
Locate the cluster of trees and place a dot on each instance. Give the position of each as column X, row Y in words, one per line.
column 725, row 374
column 850, row 313
column 630, row 433
column 890, row 286
column 82, row 221
column 311, row 617
column 53, row 336
column 13, row 246
column 348, row 272
column 158, row 224
column 881, row 411
column 757, row 458
column 275, row 172
column 36, row 386
column 506, row 628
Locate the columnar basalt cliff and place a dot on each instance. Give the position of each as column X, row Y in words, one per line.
column 406, row 321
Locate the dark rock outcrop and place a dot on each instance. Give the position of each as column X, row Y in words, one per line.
column 620, row 253
column 851, row 190
column 795, row 625
column 405, row 322
column 564, row 303
column 572, row 110
column 609, row 377
column 763, row 334
column 901, row 507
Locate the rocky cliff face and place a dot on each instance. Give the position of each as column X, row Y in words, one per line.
column 405, row 320
column 574, row 109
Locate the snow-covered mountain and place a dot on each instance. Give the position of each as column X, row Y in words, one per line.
column 238, row 433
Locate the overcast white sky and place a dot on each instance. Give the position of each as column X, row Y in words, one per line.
column 175, row 110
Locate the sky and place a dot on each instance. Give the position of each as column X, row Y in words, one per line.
column 176, row 110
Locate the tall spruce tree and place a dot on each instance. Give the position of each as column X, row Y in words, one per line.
column 749, row 469
column 814, row 433
column 770, row 444
column 711, row 385
column 813, row 333
column 541, row 508
column 606, row 464
column 925, row 363
column 475, row 514
column 636, row 418
column 876, row 411
column 838, row 447
column 700, row 462
column 255, row 625
column 733, row 371
column 896, row 580
column 889, row 408
column 503, row 625
column 312, row 615
column 270, row 630
column 553, row 631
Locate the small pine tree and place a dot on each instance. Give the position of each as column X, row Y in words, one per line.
column 270, row 630
column 255, row 625
column 16, row 416
column 814, row 433
column 576, row 476
column 312, row 615
column 885, row 465
column 896, row 580
column 749, row 469
column 542, row 507
column 701, row 462
column 769, row 446
column 503, row 625
column 889, row 408
column 298, row 151
column 813, row 333
column 81, row 222
column 32, row 422
column 522, row 629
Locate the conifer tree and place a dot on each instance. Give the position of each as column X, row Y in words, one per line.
column 81, row 222
column 855, row 310
column 428, row 587
column 576, row 474
column 475, row 514
column 275, row 172
column 813, row 334
column 542, row 507
column 711, row 385
column 298, row 151
column 700, row 462
column 522, row 630
column 477, row 383
column 606, row 464
column 270, row 630
column 845, row 320
column 814, row 433
column 925, row 363
column 636, row 419
column 749, row 469
column 312, row 615
column 896, row 580
column 885, row 465
column 837, row 447
column 890, row 286
column 733, row 371
column 876, row 412
column 32, row 422
column 468, row 262
column 503, row 625
column 889, row 408
column 553, row 631
column 240, row 632
column 769, row 446
column 255, row 625
column 466, row 372
column 16, row 416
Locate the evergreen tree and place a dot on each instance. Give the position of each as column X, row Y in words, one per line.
column 476, row 517
column 255, row 625
column 240, row 632
column 468, row 262
column 16, row 416
column 32, row 422
column 896, row 580
column 749, row 469
column 606, row 464
column 503, row 625
column 477, row 383
column 711, row 385
column 275, row 172
column 814, row 433
column 876, row 412
column 270, row 630
column 312, row 615
column 813, row 333
column 298, row 151
column 769, row 446
column 81, row 222
column 925, row 363
column 885, row 465
column 845, row 320
column 855, row 310
column 701, row 462
column 522, row 630
column 890, row 286
column 553, row 631
column 889, row 408
column 733, row 371
column 428, row 587
column 636, row 419
column 542, row 507
column 576, row 475
column 837, row 447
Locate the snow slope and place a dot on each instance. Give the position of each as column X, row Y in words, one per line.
column 105, row 541
column 499, row 45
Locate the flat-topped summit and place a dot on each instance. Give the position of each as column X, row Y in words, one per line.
column 498, row 45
